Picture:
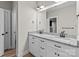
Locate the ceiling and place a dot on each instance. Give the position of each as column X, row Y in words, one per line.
column 69, row 3
column 49, row 3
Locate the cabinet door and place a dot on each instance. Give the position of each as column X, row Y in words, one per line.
column 62, row 54
column 34, row 46
column 51, row 52
column 31, row 44
column 36, row 49
column 43, row 50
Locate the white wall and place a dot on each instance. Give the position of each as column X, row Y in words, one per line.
column 6, row 5
column 42, row 21
column 14, row 20
column 66, row 18
column 26, row 15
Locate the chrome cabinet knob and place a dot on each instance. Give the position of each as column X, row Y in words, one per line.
column 55, row 53
column 32, row 42
column 41, row 40
column 58, row 55
column 42, row 48
column 3, row 34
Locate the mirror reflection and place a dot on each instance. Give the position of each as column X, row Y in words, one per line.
column 60, row 19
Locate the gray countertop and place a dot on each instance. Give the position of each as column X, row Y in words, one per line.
column 66, row 40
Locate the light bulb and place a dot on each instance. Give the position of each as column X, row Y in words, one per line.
column 42, row 6
column 37, row 8
column 57, row 1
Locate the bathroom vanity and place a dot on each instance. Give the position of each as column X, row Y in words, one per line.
column 56, row 20
column 46, row 45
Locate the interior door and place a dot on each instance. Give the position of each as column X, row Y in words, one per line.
column 7, row 41
column 1, row 32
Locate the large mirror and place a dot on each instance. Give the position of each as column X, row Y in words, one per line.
column 60, row 18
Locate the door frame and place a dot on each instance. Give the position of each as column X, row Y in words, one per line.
column 15, row 10
column 2, row 10
column 48, row 20
column 9, row 24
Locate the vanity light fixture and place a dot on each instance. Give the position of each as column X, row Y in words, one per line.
column 54, row 5
column 42, row 6
column 38, row 8
column 57, row 1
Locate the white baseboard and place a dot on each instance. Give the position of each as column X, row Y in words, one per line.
column 21, row 54
column 25, row 52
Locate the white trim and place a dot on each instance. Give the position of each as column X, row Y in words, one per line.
column 25, row 52
column 51, row 6
column 15, row 7
column 48, row 19
column 53, row 17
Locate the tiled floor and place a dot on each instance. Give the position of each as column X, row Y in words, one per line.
column 29, row 55
column 10, row 53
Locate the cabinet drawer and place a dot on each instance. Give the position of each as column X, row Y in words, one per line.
column 42, row 41
column 33, row 38
column 43, row 50
column 68, row 49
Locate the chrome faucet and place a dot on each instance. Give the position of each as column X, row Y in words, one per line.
column 62, row 34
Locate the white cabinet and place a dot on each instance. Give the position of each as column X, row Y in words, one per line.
column 45, row 48
column 53, row 52
column 34, row 45
column 62, row 47
column 43, row 51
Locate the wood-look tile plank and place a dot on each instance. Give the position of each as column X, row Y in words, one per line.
column 10, row 53
column 29, row 55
